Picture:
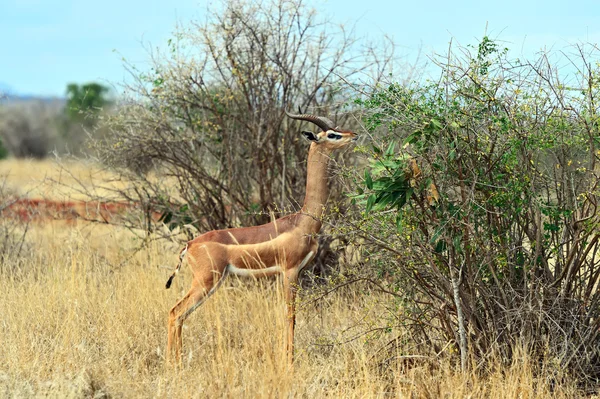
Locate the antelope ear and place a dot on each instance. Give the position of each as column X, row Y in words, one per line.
column 310, row 136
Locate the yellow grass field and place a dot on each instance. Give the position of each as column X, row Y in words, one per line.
column 83, row 317
column 51, row 179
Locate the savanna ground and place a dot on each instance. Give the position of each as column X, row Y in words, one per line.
column 83, row 315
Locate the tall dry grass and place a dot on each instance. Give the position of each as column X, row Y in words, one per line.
column 67, row 179
column 82, row 317
column 58, row 180
column 76, row 324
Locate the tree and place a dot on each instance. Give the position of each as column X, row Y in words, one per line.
column 506, row 259
column 209, row 114
column 28, row 129
column 86, row 104
column 85, row 100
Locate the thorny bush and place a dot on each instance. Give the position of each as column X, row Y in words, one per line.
column 208, row 118
column 508, row 256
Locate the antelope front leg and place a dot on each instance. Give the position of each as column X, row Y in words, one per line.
column 174, row 343
column 290, row 283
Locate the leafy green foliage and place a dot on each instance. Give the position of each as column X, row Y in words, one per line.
column 387, row 181
column 85, row 100
column 513, row 152
column 176, row 218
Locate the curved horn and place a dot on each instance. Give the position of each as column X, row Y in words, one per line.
column 321, row 121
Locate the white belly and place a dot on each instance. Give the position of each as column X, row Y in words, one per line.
column 267, row 271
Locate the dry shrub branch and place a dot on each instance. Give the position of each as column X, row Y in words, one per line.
column 208, row 117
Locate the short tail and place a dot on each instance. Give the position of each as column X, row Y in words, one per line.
column 181, row 256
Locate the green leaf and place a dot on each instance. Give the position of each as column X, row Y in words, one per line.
column 390, row 149
column 408, row 194
column 436, row 235
column 440, row 246
column 368, row 180
column 457, row 243
column 370, row 202
column 452, row 155
column 413, row 137
column 399, row 222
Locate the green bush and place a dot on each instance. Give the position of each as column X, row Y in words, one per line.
column 508, row 254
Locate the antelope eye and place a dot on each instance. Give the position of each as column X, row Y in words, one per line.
column 333, row 136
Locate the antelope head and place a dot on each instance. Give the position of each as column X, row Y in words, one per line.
column 330, row 136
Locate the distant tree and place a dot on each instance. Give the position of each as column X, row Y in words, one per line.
column 3, row 150
column 85, row 104
column 28, row 128
column 84, row 101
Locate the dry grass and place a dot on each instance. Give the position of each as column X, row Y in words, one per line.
column 82, row 318
column 66, row 180
column 61, row 181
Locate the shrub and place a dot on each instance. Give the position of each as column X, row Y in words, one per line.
column 210, row 115
column 29, row 128
column 507, row 255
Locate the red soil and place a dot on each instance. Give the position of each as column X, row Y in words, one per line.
column 41, row 210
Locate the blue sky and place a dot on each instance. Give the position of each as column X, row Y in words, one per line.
column 45, row 44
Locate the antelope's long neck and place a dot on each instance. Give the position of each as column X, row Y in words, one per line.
column 317, row 188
